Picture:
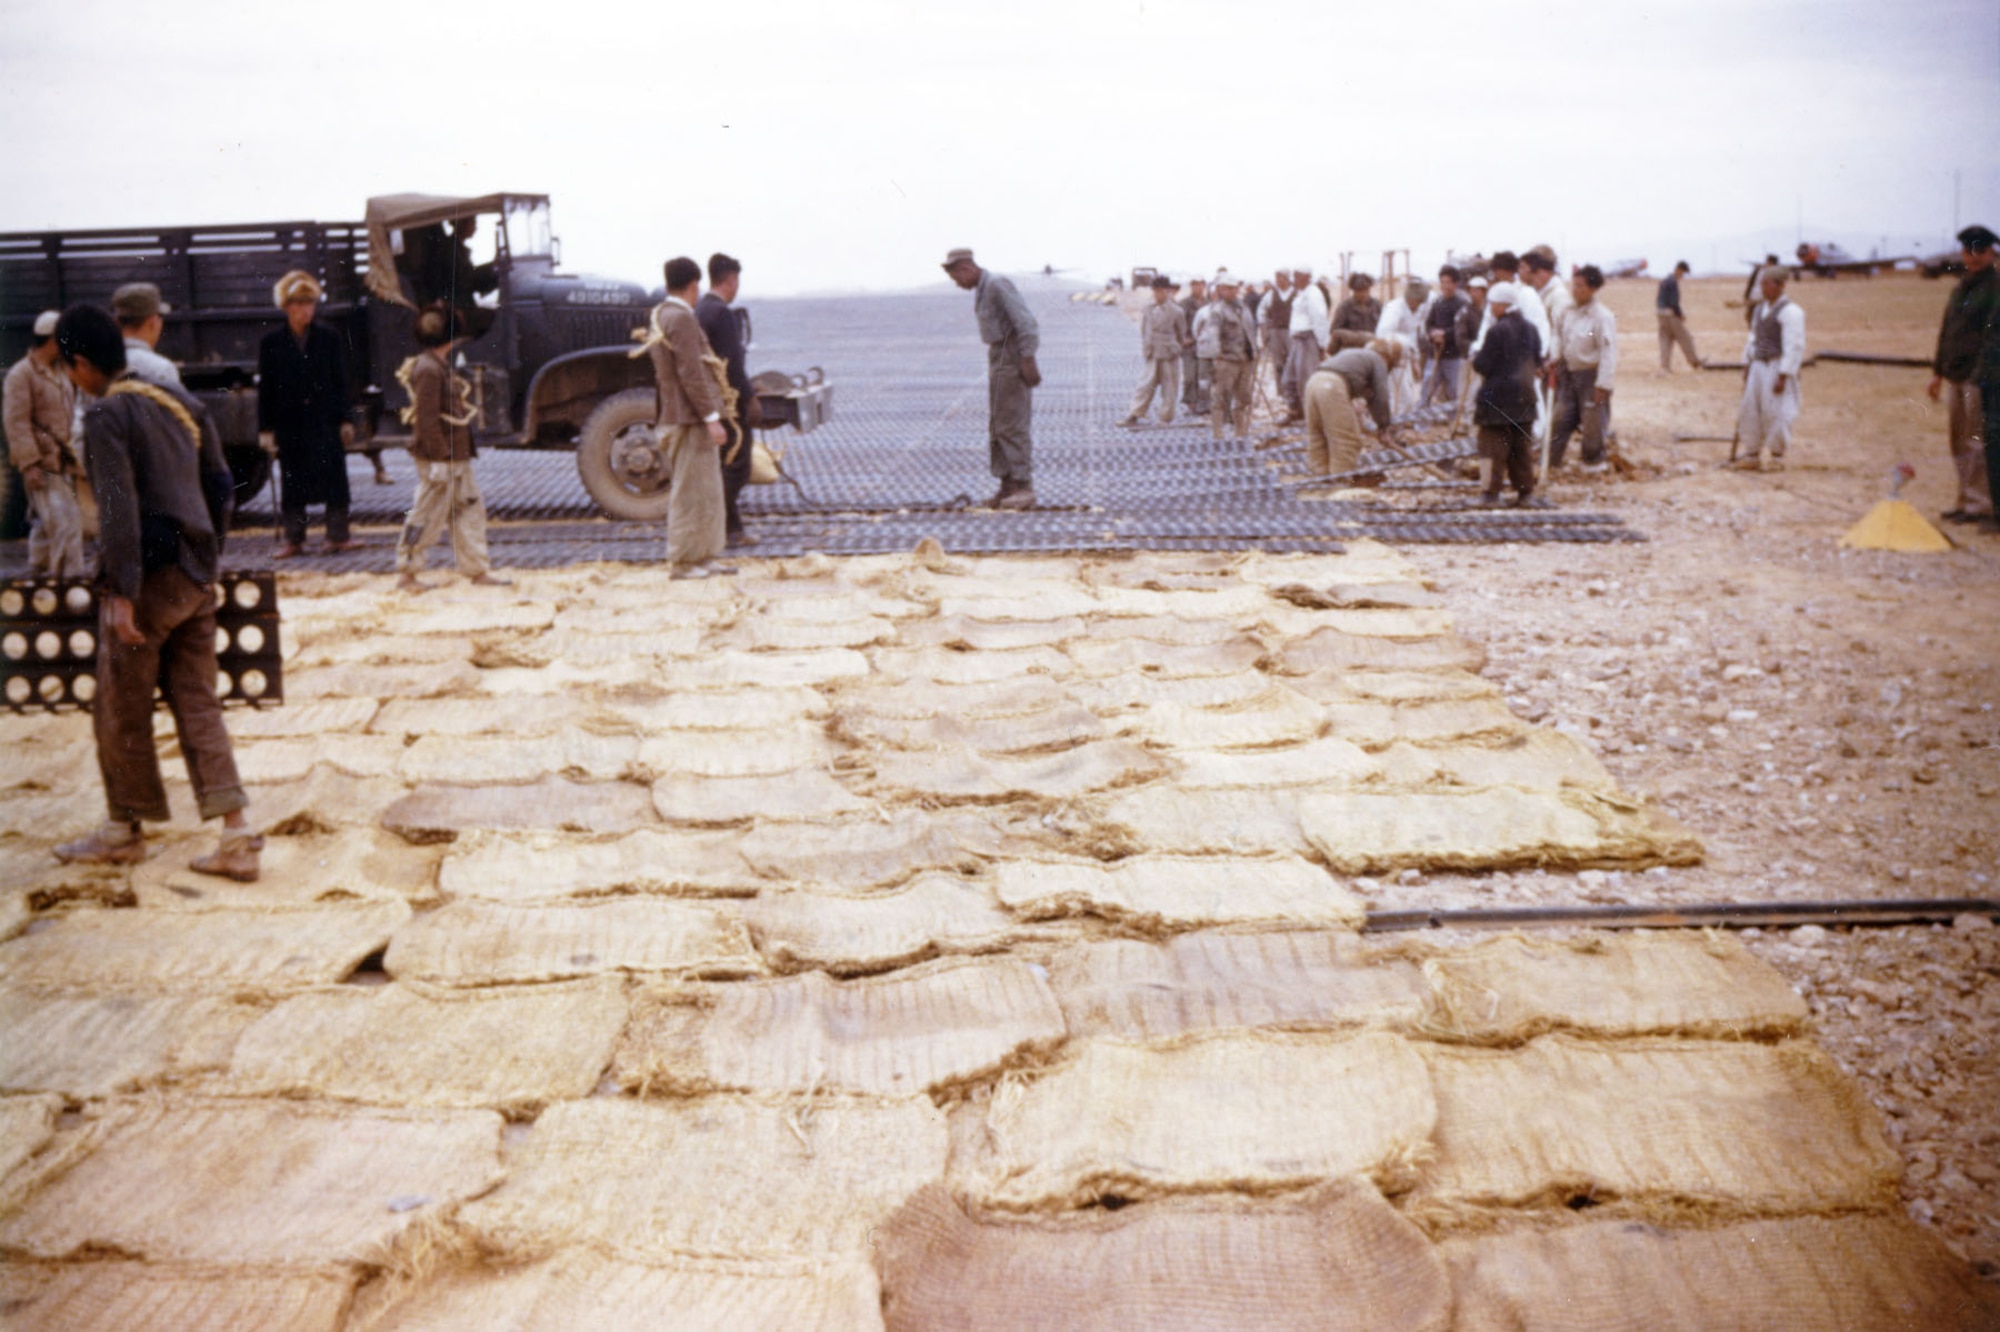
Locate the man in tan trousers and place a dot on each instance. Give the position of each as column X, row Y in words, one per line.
column 441, row 444
column 690, row 428
column 39, row 403
column 1225, row 337
column 1163, row 336
column 1334, row 435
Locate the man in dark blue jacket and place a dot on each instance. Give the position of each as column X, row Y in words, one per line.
column 163, row 496
column 1673, row 320
column 1507, row 363
column 302, row 415
column 724, row 331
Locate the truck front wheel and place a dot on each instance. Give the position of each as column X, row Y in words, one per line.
column 622, row 465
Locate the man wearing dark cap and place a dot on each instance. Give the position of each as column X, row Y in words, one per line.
column 1969, row 321
column 163, row 497
column 1012, row 338
column 39, row 404
column 142, row 317
column 1163, row 336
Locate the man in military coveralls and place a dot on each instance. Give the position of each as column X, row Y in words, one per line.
column 1012, row 337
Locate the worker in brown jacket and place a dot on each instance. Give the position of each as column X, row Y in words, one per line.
column 164, row 497
column 690, row 429
column 440, row 416
column 39, row 404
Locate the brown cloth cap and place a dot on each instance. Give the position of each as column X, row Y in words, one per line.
column 958, row 256
column 136, row 302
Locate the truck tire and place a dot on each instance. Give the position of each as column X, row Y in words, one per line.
column 620, row 462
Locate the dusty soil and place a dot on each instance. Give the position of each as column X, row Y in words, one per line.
column 1823, row 717
column 1820, row 718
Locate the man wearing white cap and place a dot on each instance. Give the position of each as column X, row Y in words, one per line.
column 1225, row 338
column 38, row 403
column 1508, row 363
column 1772, row 355
column 1012, row 338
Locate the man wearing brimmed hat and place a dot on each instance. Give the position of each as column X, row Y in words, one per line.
column 38, row 403
column 302, row 406
column 142, row 316
column 1163, row 336
column 1772, row 355
column 1012, row 338
column 1970, row 318
column 1225, row 340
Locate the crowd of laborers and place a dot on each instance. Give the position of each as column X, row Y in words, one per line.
column 1520, row 340
column 1535, row 352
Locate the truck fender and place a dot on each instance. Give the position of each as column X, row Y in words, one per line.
column 568, row 388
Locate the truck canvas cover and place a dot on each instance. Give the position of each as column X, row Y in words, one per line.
column 398, row 212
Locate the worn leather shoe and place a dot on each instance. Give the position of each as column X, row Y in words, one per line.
column 1021, row 497
column 235, row 858
column 108, row 844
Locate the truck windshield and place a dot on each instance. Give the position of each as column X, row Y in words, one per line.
column 527, row 223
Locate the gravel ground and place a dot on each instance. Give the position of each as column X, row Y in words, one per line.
column 1823, row 718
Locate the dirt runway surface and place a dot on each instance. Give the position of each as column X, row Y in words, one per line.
column 636, row 829
column 1824, row 718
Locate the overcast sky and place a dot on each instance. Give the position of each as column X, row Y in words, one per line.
column 848, row 145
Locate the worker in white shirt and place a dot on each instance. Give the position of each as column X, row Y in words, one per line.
column 1538, row 270
column 1772, row 356
column 1311, row 319
column 1402, row 322
column 1586, row 363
